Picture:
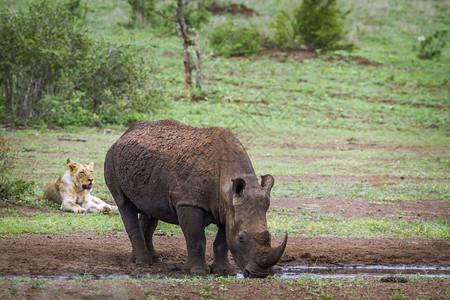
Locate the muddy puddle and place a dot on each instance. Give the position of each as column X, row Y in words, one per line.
column 296, row 271
column 342, row 271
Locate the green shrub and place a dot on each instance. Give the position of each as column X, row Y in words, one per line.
column 431, row 46
column 320, row 24
column 143, row 11
column 314, row 24
column 6, row 163
column 114, row 79
column 17, row 189
column 232, row 39
column 195, row 13
column 285, row 26
column 51, row 70
column 10, row 189
column 36, row 49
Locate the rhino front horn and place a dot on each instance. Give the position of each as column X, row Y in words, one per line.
column 267, row 257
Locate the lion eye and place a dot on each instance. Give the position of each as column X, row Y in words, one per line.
column 82, row 172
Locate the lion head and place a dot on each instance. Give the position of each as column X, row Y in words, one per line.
column 83, row 174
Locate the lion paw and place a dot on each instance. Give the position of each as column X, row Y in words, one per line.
column 107, row 210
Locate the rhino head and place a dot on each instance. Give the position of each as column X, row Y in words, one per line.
column 248, row 238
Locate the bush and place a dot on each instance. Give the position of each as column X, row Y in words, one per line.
column 286, row 36
column 143, row 11
column 195, row 13
column 52, row 70
column 232, row 39
column 9, row 188
column 6, row 161
column 431, row 46
column 35, row 50
column 320, row 23
column 315, row 24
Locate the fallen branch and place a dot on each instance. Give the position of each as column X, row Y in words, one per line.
column 64, row 138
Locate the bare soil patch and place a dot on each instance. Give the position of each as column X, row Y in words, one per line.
column 300, row 55
column 355, row 59
column 346, row 208
column 94, row 256
column 90, row 253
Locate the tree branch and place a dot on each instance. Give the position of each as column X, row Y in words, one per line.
column 166, row 17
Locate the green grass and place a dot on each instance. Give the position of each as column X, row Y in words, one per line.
column 51, row 223
column 329, row 225
column 324, row 128
column 279, row 222
column 390, row 191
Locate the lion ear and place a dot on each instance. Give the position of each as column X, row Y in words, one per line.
column 91, row 165
column 73, row 166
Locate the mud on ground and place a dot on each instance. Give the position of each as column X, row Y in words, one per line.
column 92, row 256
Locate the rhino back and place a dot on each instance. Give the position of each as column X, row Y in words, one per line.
column 162, row 164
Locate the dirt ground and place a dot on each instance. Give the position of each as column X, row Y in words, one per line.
column 92, row 266
column 99, row 256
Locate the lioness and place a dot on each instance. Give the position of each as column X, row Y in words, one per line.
column 73, row 190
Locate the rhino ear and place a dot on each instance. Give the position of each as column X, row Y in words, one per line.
column 238, row 187
column 267, row 182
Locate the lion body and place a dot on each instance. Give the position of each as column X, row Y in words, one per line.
column 73, row 190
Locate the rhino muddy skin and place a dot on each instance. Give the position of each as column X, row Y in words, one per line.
column 192, row 177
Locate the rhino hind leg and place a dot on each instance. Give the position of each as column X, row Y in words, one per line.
column 221, row 265
column 148, row 227
column 192, row 222
column 129, row 213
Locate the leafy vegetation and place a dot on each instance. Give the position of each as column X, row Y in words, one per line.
column 37, row 48
column 143, row 11
column 316, row 25
column 159, row 15
column 51, row 69
column 10, row 188
column 285, row 35
column 320, row 23
column 232, row 39
column 432, row 45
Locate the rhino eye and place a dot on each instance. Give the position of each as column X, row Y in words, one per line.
column 242, row 239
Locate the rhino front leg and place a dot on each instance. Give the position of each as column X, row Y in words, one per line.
column 192, row 222
column 221, row 265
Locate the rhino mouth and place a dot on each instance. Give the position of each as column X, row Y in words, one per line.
column 252, row 270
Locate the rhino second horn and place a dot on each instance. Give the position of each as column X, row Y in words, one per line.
column 267, row 257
